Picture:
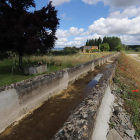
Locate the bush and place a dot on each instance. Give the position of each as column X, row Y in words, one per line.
column 94, row 50
column 119, row 48
column 104, row 47
column 87, row 50
column 64, row 52
column 3, row 55
column 137, row 49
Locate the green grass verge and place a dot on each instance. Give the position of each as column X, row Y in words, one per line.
column 10, row 74
column 127, row 79
column 131, row 52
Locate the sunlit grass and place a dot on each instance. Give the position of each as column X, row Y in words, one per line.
column 9, row 72
column 127, row 77
column 64, row 60
column 131, row 52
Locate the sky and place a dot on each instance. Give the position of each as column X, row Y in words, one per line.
column 89, row 19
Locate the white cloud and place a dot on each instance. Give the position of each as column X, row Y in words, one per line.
column 70, row 43
column 75, row 31
column 122, row 23
column 121, row 3
column 59, row 2
column 74, row 43
column 84, row 38
column 91, row 1
column 64, row 16
column 115, row 3
column 64, row 39
column 130, row 40
column 128, row 12
column 62, row 33
column 115, row 26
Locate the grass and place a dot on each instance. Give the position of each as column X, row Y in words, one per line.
column 65, row 60
column 131, row 52
column 127, row 78
column 9, row 72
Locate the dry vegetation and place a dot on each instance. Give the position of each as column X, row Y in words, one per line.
column 9, row 72
column 128, row 79
column 65, row 60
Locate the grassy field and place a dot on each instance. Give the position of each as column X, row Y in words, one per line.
column 131, row 52
column 127, row 78
column 9, row 72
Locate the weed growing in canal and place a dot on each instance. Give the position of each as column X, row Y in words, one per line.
column 111, row 125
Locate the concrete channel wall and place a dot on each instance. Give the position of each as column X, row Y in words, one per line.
column 88, row 122
column 19, row 99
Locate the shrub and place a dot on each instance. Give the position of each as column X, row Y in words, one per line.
column 87, row 50
column 104, row 47
column 3, row 55
column 137, row 49
column 94, row 50
column 119, row 48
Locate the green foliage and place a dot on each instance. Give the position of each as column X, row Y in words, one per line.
column 94, row 50
column 111, row 41
column 92, row 42
column 71, row 49
column 126, row 47
column 133, row 47
column 81, row 48
column 104, row 47
column 3, row 55
column 137, row 49
column 112, row 125
column 119, row 48
column 130, row 49
column 25, row 32
column 87, row 50
column 67, row 51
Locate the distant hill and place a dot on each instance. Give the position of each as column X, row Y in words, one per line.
column 57, row 49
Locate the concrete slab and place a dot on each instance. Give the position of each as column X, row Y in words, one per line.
column 102, row 127
column 113, row 135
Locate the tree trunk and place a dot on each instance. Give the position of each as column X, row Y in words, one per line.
column 20, row 62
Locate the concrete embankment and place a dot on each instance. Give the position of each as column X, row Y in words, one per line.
column 18, row 99
column 90, row 120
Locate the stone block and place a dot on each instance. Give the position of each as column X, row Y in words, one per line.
column 113, row 135
column 32, row 70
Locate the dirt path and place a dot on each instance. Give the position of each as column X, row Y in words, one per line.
column 135, row 56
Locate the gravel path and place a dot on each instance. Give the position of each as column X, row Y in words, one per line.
column 135, row 56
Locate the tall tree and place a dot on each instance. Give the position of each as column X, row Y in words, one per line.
column 104, row 47
column 26, row 32
column 99, row 41
column 112, row 41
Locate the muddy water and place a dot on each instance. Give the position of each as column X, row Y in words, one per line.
column 45, row 121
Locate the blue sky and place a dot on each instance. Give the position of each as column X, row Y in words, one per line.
column 86, row 19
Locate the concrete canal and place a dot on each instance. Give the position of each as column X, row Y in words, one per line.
column 44, row 122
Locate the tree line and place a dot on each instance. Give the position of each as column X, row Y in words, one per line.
column 113, row 42
column 68, row 50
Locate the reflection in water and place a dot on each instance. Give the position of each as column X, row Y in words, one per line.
column 94, row 81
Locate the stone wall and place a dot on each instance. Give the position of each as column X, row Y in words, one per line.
column 18, row 99
column 81, row 124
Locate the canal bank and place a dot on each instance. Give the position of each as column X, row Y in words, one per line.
column 45, row 121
